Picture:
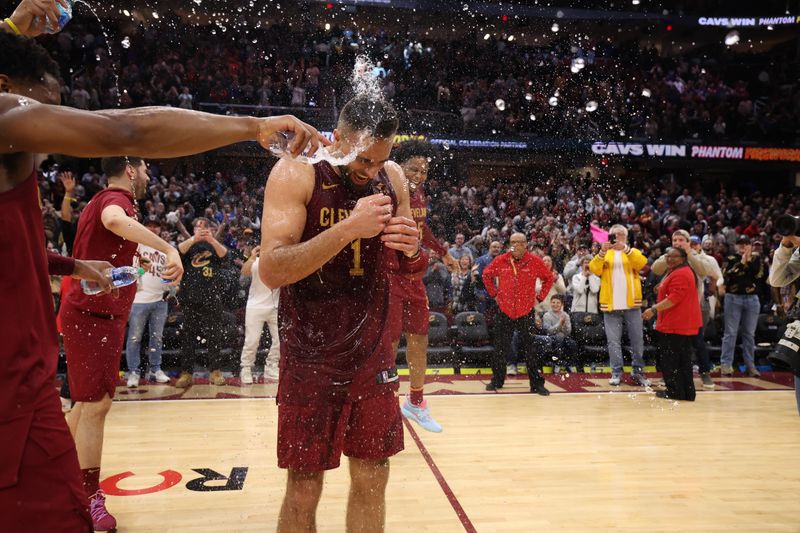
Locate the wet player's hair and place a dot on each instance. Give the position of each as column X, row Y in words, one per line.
column 413, row 148
column 115, row 166
column 377, row 118
column 24, row 59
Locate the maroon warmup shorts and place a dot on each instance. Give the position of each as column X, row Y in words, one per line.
column 408, row 308
column 313, row 436
column 40, row 481
column 94, row 350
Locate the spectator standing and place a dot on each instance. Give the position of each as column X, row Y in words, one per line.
column 149, row 309
column 511, row 280
column 200, row 298
column 262, row 308
column 459, row 249
column 742, row 272
column 679, row 320
column 437, row 284
column 574, row 265
column 463, row 283
column 784, row 270
column 557, row 288
column 585, row 288
column 618, row 266
column 701, row 266
column 484, row 303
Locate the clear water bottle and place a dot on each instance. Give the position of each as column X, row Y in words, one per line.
column 64, row 16
column 279, row 147
column 119, row 277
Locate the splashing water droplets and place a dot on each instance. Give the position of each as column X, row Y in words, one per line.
column 591, row 106
column 126, row 42
column 646, row 93
column 554, row 28
column 500, row 104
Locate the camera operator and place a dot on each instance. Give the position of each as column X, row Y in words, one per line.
column 784, row 270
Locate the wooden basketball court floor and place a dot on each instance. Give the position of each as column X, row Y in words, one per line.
column 516, row 462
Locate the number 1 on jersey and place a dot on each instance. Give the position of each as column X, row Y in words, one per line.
column 356, row 270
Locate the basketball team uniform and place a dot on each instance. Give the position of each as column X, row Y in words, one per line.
column 40, row 481
column 94, row 326
column 409, row 312
column 337, row 391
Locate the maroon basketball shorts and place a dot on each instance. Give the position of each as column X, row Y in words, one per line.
column 313, row 435
column 408, row 308
column 94, row 350
column 40, row 481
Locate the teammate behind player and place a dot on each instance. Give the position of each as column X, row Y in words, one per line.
column 410, row 313
column 324, row 240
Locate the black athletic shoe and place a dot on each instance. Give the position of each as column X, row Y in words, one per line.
column 662, row 394
column 540, row 390
column 492, row 387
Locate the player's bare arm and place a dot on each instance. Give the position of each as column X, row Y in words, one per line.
column 157, row 132
column 401, row 232
column 118, row 222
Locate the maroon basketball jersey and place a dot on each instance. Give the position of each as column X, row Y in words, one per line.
column 332, row 322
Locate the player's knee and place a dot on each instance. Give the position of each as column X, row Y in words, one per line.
column 303, row 489
column 98, row 408
column 369, row 477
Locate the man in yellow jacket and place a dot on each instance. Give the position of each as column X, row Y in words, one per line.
column 618, row 266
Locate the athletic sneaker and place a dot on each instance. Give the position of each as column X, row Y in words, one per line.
column 270, row 372
column 640, row 379
column 614, row 380
column 421, row 415
column 511, row 370
column 708, row 383
column 246, row 375
column 102, row 520
column 216, row 378
column 133, row 380
column 726, row 370
column 753, row 372
column 159, row 376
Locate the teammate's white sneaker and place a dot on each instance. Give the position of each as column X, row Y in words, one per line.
column 133, row 380
column 246, row 375
column 159, row 376
column 271, row 372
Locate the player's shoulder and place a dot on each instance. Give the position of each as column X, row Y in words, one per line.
column 295, row 172
column 292, row 177
column 396, row 175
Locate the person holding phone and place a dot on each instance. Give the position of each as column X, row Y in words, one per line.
column 618, row 266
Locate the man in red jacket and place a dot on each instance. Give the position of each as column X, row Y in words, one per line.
column 511, row 280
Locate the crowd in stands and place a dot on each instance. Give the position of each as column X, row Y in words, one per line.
column 476, row 222
column 569, row 87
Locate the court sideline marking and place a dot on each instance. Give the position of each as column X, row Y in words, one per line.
column 451, row 497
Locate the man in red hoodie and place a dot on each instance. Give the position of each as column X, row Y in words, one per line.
column 511, row 280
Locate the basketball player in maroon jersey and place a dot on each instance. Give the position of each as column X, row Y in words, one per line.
column 40, row 482
column 410, row 312
column 325, row 237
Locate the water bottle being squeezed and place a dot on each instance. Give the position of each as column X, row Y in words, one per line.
column 279, row 147
column 119, row 277
column 64, row 16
